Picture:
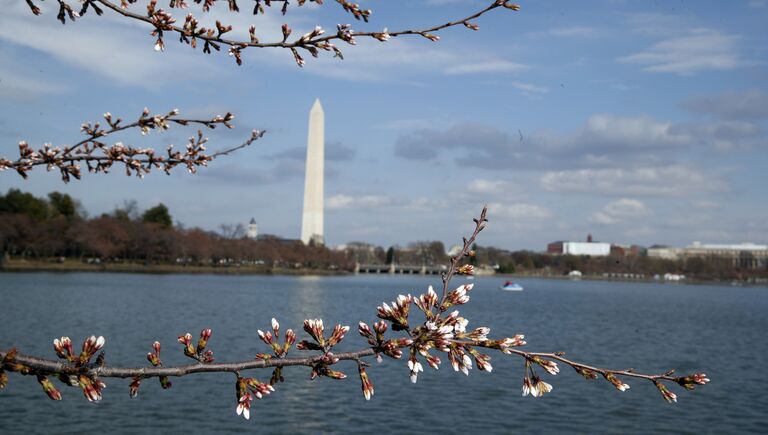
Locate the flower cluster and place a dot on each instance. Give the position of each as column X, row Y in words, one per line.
column 459, row 296
column 690, row 382
column 154, row 359
column 91, row 387
column 397, row 314
column 389, row 347
column 197, row 353
column 279, row 350
column 247, row 389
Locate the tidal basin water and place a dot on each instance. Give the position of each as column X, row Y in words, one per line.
column 719, row 330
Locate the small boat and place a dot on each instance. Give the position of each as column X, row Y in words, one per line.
column 511, row 286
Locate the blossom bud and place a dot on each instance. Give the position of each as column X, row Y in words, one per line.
column 186, row 340
column 91, row 387
column 621, row 386
column 266, row 337
column 207, row 357
column 669, row 396
column 133, row 388
column 466, row 269
column 587, row 373
column 205, row 334
column 63, row 348
column 381, row 328
column 49, row 388
column 337, row 335
column 365, row 382
column 690, row 382
column 334, row 374
column 165, row 383
column 286, row 32
column 364, row 330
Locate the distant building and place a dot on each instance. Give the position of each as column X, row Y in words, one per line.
column 664, row 252
column 742, row 255
column 555, row 248
column 594, row 249
column 253, row 230
column 591, row 248
column 618, row 251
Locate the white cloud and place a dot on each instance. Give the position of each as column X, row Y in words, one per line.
column 342, row 201
column 113, row 54
column 621, row 210
column 699, row 50
column 529, row 88
column 490, row 66
column 750, row 104
column 675, row 180
column 484, row 187
column 519, row 211
column 638, row 131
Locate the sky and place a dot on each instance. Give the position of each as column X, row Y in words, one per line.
column 640, row 122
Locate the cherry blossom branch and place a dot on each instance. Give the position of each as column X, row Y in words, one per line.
column 441, row 331
column 213, row 38
column 99, row 156
column 51, row 366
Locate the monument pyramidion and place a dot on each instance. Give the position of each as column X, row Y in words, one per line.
column 312, row 219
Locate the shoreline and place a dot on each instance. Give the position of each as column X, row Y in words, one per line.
column 170, row 269
column 641, row 281
column 160, row 269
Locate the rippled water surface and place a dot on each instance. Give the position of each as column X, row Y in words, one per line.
column 651, row 327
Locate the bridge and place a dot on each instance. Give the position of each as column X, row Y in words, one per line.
column 398, row 269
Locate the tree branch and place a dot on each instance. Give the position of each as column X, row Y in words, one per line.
column 313, row 42
column 99, row 156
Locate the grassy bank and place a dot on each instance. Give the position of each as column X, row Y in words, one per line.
column 16, row 265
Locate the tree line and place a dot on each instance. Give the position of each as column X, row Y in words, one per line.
column 57, row 226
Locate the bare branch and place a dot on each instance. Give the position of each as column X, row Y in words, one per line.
column 99, row 156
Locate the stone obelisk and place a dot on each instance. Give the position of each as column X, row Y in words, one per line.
column 312, row 220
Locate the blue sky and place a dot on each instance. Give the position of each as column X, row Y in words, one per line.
column 639, row 122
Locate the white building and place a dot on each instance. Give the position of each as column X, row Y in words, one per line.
column 253, row 230
column 594, row 249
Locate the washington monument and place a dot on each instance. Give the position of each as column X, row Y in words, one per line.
column 312, row 220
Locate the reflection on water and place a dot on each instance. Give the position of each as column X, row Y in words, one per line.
column 652, row 327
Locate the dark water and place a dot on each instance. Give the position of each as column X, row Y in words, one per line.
column 717, row 330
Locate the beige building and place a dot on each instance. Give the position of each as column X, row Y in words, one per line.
column 743, row 255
